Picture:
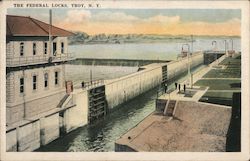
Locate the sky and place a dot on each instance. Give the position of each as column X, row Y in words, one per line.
column 142, row 21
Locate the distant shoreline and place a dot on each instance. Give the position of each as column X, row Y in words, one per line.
column 83, row 38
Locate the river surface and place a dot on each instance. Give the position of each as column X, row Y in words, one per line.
column 79, row 73
column 152, row 51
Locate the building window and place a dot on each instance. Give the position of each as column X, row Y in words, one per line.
column 34, row 48
column 21, row 85
column 46, row 77
column 45, row 47
column 34, row 82
column 56, row 78
column 62, row 47
column 21, row 49
column 54, row 48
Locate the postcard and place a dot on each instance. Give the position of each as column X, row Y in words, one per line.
column 101, row 80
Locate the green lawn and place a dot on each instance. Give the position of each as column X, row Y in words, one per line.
column 222, row 98
column 227, row 95
column 232, row 70
column 219, row 84
column 224, row 73
column 231, row 61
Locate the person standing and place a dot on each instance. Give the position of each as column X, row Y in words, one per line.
column 166, row 87
column 179, row 87
column 184, row 88
column 176, row 84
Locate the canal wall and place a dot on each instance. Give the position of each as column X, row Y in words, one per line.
column 32, row 133
column 49, row 128
column 114, row 62
column 177, row 67
column 125, row 88
column 77, row 116
column 24, row 138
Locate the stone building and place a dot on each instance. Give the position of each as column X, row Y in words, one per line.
column 33, row 74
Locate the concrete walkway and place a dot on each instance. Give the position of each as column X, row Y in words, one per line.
column 194, row 93
column 221, row 78
column 176, row 95
column 218, row 91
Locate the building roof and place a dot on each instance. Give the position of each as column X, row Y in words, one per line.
column 27, row 26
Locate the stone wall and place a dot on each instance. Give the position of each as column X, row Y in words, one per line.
column 11, row 140
column 175, row 68
column 125, row 88
column 49, row 128
column 77, row 116
column 122, row 89
column 29, row 136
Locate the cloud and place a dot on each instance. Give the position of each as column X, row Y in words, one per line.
column 114, row 17
column 77, row 16
column 81, row 16
column 163, row 19
column 234, row 21
column 122, row 23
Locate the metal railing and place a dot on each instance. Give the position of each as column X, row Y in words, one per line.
column 31, row 60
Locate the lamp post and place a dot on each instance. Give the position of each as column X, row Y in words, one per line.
column 188, row 54
column 225, row 41
column 192, row 49
column 215, row 48
column 91, row 76
column 214, row 42
column 232, row 43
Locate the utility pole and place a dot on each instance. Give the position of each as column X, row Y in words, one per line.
column 215, row 48
column 189, row 70
column 232, row 44
column 192, row 49
column 50, row 34
column 91, row 76
column 225, row 41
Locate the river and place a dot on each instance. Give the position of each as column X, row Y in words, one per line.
column 151, row 51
